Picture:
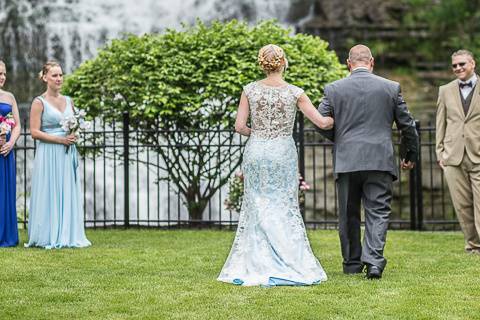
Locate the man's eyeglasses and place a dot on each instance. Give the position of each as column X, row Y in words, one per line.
column 460, row 64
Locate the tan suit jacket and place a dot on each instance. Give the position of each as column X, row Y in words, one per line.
column 457, row 132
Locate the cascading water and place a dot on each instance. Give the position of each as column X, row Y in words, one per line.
column 76, row 29
column 71, row 31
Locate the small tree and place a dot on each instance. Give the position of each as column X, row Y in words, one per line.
column 179, row 85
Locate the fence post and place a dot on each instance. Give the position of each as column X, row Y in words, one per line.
column 25, row 135
column 126, row 161
column 415, row 188
column 412, row 193
column 301, row 145
column 301, row 152
column 301, row 156
column 418, row 179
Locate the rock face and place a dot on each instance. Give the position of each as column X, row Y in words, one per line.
column 300, row 11
column 350, row 13
column 346, row 13
column 343, row 23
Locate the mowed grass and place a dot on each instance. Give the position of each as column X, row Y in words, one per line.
column 155, row 274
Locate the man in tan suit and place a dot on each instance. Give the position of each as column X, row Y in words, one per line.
column 458, row 144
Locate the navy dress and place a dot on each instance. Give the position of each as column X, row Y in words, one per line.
column 8, row 212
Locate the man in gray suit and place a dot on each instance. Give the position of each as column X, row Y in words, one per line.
column 364, row 107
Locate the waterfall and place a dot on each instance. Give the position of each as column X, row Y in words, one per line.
column 71, row 31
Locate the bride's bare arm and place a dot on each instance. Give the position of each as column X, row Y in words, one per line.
column 242, row 116
column 306, row 106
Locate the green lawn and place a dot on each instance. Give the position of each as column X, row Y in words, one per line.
column 153, row 274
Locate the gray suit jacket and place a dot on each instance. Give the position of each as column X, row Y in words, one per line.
column 364, row 107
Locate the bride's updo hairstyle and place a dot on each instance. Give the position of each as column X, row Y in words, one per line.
column 46, row 67
column 271, row 58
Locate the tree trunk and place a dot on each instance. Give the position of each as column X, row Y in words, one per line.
column 196, row 205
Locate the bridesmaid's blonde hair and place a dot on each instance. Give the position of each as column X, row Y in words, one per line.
column 271, row 58
column 46, row 67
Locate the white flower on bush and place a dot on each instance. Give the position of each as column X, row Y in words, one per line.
column 118, row 97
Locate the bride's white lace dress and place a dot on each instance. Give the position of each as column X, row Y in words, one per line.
column 271, row 246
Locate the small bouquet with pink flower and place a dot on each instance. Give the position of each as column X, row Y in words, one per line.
column 6, row 125
column 235, row 191
column 302, row 187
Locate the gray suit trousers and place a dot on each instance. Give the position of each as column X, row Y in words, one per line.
column 374, row 190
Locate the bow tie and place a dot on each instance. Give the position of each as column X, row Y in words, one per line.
column 466, row 84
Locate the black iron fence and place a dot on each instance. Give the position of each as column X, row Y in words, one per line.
column 168, row 178
column 421, row 200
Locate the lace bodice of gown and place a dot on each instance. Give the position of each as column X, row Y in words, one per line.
column 272, row 109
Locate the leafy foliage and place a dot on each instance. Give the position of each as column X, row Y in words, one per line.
column 451, row 25
column 179, row 84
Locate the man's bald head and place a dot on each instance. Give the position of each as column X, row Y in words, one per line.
column 360, row 56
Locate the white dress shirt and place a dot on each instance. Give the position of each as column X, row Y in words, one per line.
column 466, row 89
column 358, row 68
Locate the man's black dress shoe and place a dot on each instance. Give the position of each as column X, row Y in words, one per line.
column 353, row 269
column 373, row 272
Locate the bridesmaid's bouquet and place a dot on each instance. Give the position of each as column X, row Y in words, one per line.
column 74, row 124
column 235, row 191
column 6, row 125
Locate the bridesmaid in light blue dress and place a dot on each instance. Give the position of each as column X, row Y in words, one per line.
column 8, row 212
column 56, row 211
column 271, row 247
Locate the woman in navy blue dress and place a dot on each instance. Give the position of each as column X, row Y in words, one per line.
column 8, row 212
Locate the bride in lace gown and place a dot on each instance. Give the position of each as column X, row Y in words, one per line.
column 271, row 247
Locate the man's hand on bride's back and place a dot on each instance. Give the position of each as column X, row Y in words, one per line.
column 327, row 123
